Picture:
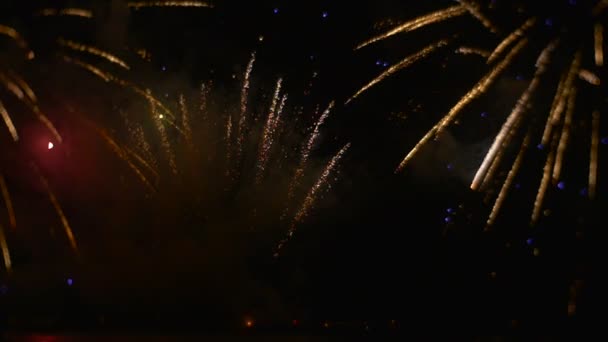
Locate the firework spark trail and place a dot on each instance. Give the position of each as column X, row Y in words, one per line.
column 204, row 99
column 306, row 149
column 593, row 157
column 24, row 86
column 187, row 129
column 6, row 256
column 544, row 183
column 312, row 195
column 12, row 220
column 93, row 51
column 12, row 87
column 474, row 10
column 120, row 152
column 589, row 77
column 20, row 94
column 565, row 135
column 404, row 63
column 164, row 139
column 268, row 133
column 143, row 4
column 477, row 90
column 142, row 161
column 510, row 125
column 506, row 186
column 64, row 221
column 9, row 123
column 13, row 34
column 228, row 143
column 510, row 39
column 560, row 99
column 240, row 129
column 467, row 50
column 75, row 12
column 422, row 21
column 598, row 38
column 141, row 143
column 108, row 77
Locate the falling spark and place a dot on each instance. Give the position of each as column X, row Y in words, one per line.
column 467, row 50
column 187, row 130
column 311, row 197
column 268, row 133
column 595, row 139
column 589, row 77
column 599, row 44
column 76, row 12
column 62, row 217
column 477, row 90
column 561, row 96
column 510, row 39
column 24, row 86
column 564, row 138
column 143, row 4
column 510, row 125
column 473, row 9
column 507, row 184
column 203, row 99
column 9, row 123
column 108, row 77
column 93, row 51
column 422, row 21
column 12, row 87
column 240, row 132
column 228, row 143
column 158, row 118
column 544, row 183
column 407, row 61
column 13, row 34
column 120, row 152
column 5, row 252
column 8, row 202
column 307, row 148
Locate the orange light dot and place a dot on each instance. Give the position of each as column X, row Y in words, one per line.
column 249, row 323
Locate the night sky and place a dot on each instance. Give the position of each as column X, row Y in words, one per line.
column 191, row 246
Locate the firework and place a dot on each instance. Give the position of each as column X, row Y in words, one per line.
column 560, row 120
column 143, row 4
column 75, row 12
column 93, row 51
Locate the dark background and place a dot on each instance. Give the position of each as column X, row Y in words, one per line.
column 378, row 247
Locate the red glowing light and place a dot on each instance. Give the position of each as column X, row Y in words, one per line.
column 249, row 323
column 50, row 145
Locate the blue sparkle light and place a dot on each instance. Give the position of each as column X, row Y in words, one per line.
column 517, row 186
column 447, row 219
column 163, row 68
column 604, row 141
column 583, row 192
column 519, row 77
column 275, row 11
column 385, row 64
column 70, row 281
column 378, row 62
column 324, row 14
column 549, row 22
column 540, row 146
column 484, row 114
column 530, row 241
column 450, row 166
column 572, row 2
column 449, row 210
column 561, row 185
